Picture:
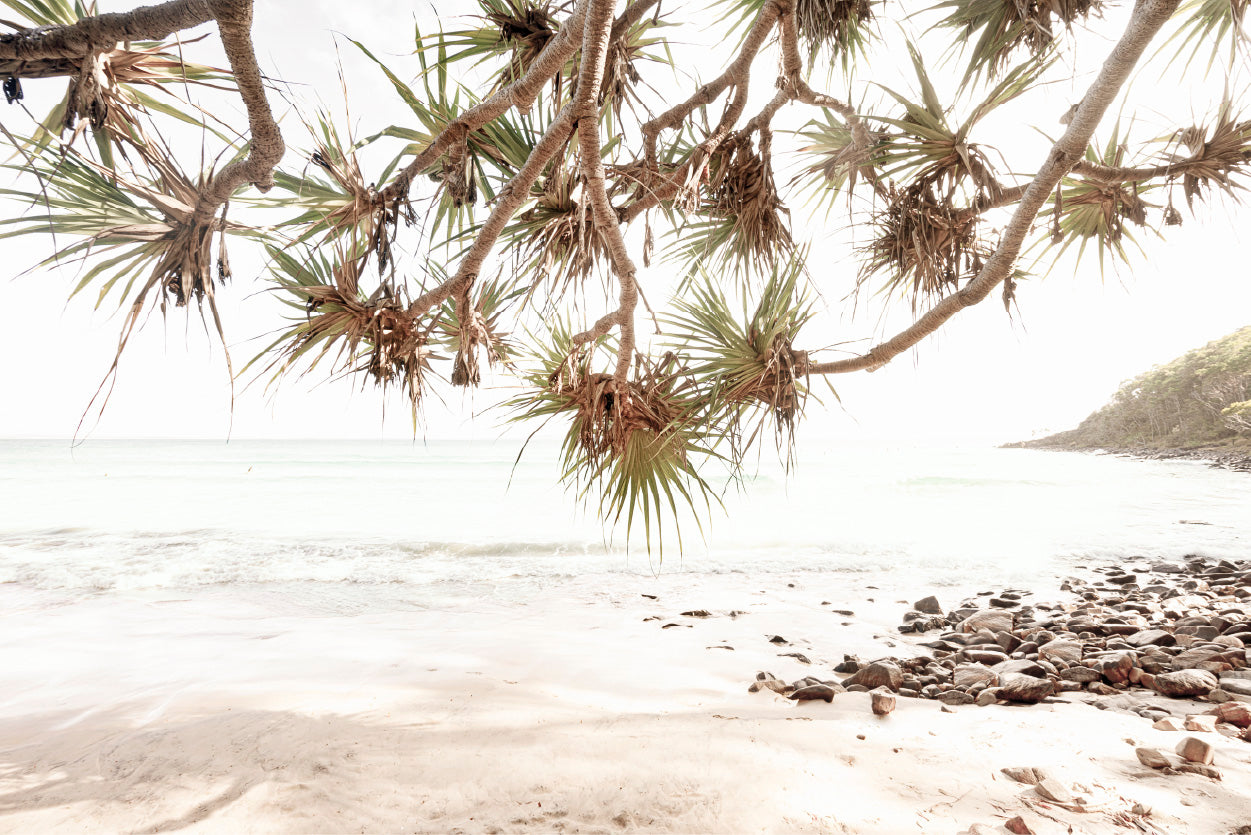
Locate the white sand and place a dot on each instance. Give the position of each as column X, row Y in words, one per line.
column 566, row 714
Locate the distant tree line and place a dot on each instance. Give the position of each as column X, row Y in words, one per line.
column 1201, row 398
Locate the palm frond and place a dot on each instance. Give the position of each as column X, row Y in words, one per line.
column 637, row 450
column 474, row 168
column 740, row 221
column 996, row 29
column 924, row 245
column 841, row 28
column 1214, row 154
column 142, row 225
column 747, row 363
column 556, row 242
column 836, row 164
column 341, row 202
column 514, row 31
column 926, row 147
column 480, row 334
column 1213, row 25
column 1085, row 210
column 374, row 336
column 143, row 221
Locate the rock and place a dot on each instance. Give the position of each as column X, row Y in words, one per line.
column 1168, row 723
column 1201, row 723
column 928, row 605
column 981, row 655
column 1080, row 674
column 813, row 692
column 1151, row 637
column 1069, row 652
column 1185, row 683
column 1054, row 791
column 1008, row 642
column 883, row 702
column 1018, row 826
column 1237, row 686
column 779, row 640
column 798, row 656
column 994, row 621
column 987, row 697
column 955, row 697
column 1151, row 758
column 1116, row 668
column 1026, row 775
column 1019, row 665
column 971, row 675
column 1018, row 687
column 877, row 674
column 1235, row 713
column 1193, row 657
column 849, row 664
column 697, row 613
column 1199, row 768
column 1195, row 750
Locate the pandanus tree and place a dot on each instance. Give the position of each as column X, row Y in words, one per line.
column 540, row 149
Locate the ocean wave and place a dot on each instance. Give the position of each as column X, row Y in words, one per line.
column 95, row 560
column 176, row 515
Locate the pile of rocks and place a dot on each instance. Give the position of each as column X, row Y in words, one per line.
column 1166, row 629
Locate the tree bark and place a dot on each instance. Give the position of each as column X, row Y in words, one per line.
column 101, row 32
column 594, row 55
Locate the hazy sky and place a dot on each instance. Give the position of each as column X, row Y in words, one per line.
column 985, row 376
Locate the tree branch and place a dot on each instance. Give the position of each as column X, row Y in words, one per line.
column 509, row 200
column 632, row 15
column 1148, row 17
column 792, row 66
column 708, row 93
column 520, row 94
column 103, row 31
column 234, row 21
column 1115, row 174
column 738, row 74
column 595, row 42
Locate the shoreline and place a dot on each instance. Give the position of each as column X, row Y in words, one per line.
column 584, row 710
column 1238, row 460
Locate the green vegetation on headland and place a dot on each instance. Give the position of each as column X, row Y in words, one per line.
column 1198, row 405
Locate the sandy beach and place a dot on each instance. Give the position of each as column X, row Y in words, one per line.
column 576, row 712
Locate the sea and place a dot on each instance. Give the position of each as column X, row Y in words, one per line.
column 351, row 526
